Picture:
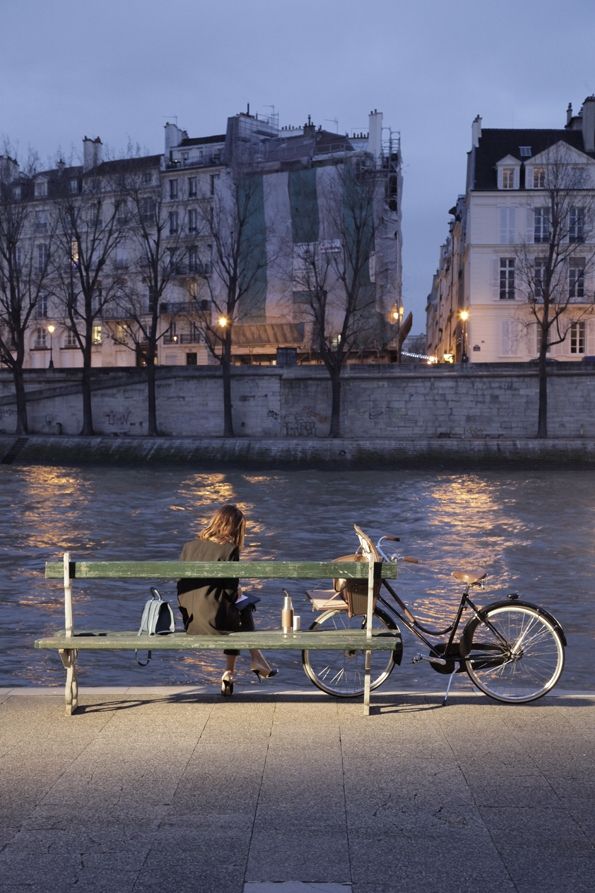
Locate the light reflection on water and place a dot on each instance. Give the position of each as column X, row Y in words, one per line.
column 532, row 532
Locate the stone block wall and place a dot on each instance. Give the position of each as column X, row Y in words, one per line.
column 377, row 402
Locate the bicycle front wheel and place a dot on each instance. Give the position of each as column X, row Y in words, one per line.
column 513, row 653
column 342, row 673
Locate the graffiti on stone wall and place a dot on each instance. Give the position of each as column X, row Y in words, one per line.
column 119, row 419
column 301, row 424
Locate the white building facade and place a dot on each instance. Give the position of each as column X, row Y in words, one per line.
column 487, row 286
column 177, row 197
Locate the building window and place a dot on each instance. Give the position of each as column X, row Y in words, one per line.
column 41, row 311
column 40, row 338
column 96, row 334
column 70, row 339
column 42, row 258
column 577, row 337
column 75, row 186
column 193, row 259
column 507, row 178
column 191, row 359
column 41, row 188
column 147, row 207
column 192, row 192
column 147, row 178
column 192, row 220
column 173, row 189
column 507, row 226
column 213, row 183
column 539, row 277
column 538, row 178
column 74, row 252
column 506, row 290
column 541, row 225
column 525, row 151
column 576, row 279
column 576, row 224
column 173, row 223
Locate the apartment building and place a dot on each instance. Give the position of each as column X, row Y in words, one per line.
column 522, row 234
column 138, row 254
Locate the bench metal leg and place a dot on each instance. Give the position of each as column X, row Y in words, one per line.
column 71, row 691
column 367, row 681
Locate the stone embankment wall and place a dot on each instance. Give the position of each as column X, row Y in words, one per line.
column 378, row 402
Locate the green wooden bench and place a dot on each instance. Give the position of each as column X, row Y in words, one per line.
column 69, row 641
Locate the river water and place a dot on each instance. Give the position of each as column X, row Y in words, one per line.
column 534, row 533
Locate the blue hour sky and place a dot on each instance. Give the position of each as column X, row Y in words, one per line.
column 119, row 69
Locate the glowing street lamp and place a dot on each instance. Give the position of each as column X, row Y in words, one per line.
column 223, row 321
column 51, row 330
column 464, row 316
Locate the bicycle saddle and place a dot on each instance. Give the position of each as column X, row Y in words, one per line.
column 472, row 578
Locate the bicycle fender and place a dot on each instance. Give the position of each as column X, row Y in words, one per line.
column 506, row 603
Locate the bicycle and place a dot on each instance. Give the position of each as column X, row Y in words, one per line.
column 512, row 650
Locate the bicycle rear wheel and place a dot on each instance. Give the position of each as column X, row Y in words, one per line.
column 342, row 673
column 513, row 653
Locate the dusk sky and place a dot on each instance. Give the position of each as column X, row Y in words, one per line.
column 120, row 70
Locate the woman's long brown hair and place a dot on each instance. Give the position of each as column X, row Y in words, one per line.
column 226, row 526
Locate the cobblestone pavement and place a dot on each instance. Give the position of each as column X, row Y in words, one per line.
column 286, row 791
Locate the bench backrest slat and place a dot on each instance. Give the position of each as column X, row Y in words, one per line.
column 257, row 570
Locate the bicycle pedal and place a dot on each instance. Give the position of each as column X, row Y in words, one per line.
column 433, row 660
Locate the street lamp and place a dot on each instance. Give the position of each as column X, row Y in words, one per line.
column 51, row 330
column 223, row 321
column 396, row 315
column 464, row 316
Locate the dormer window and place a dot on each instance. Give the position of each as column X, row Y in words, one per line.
column 525, row 151
column 538, row 178
column 508, row 171
column 41, row 188
column 507, row 178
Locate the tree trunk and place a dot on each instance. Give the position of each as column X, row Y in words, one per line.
column 226, row 371
column 542, row 401
column 87, row 428
column 335, row 428
column 21, row 400
column 152, row 430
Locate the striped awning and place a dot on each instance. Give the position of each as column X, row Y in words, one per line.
column 277, row 334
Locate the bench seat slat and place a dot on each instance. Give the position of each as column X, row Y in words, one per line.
column 100, row 640
column 173, row 570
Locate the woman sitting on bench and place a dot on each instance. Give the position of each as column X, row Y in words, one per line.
column 210, row 606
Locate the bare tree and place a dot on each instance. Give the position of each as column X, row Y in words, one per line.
column 90, row 227
column 553, row 265
column 158, row 256
column 24, row 269
column 232, row 264
column 333, row 275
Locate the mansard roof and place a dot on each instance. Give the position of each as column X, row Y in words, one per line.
column 495, row 144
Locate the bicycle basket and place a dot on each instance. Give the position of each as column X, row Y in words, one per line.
column 354, row 592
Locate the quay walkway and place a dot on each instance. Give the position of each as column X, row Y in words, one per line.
column 283, row 790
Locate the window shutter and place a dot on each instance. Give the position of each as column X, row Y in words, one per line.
column 530, row 232
column 496, row 278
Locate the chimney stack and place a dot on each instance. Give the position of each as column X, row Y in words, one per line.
column 375, row 134
column 476, row 131
column 91, row 153
column 588, row 123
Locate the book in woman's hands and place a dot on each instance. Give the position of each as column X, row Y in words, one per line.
column 244, row 601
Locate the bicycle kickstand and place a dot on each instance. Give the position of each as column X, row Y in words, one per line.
column 450, row 681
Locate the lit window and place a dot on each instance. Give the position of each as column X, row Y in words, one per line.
column 506, row 289
column 577, row 337
column 74, row 252
column 96, row 334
